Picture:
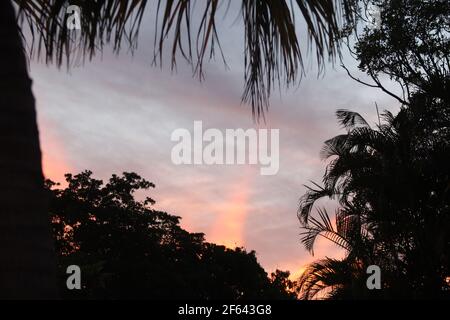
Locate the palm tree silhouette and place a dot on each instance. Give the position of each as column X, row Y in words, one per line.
column 272, row 55
column 365, row 227
column 391, row 185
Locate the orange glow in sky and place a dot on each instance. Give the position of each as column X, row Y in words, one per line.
column 229, row 228
column 54, row 161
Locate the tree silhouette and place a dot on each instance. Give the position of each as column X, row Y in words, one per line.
column 272, row 56
column 391, row 182
column 128, row 250
column 410, row 46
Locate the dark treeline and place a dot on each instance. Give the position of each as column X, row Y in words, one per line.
column 127, row 250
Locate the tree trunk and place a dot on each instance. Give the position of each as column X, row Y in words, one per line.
column 27, row 264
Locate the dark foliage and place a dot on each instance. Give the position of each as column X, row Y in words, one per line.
column 391, row 182
column 127, row 250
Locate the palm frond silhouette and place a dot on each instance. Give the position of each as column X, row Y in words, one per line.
column 272, row 46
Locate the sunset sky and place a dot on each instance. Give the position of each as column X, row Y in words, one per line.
column 117, row 114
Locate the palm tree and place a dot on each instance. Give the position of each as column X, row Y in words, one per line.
column 353, row 178
column 391, row 185
column 272, row 55
column 391, row 182
column 26, row 263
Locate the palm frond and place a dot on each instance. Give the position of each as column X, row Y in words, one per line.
column 340, row 172
column 350, row 119
column 102, row 22
column 367, row 139
column 323, row 227
column 388, row 117
column 335, row 146
column 272, row 51
column 324, row 275
column 308, row 200
column 174, row 18
column 273, row 54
